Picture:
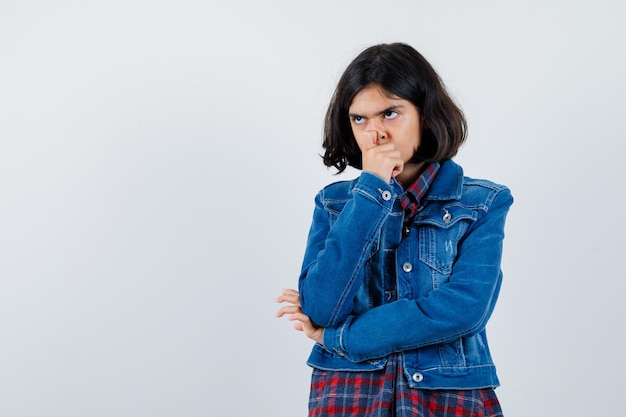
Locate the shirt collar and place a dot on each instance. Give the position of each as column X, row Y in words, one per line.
column 411, row 199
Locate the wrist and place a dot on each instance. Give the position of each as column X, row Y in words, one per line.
column 320, row 339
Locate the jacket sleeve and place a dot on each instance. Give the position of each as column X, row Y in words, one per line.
column 461, row 307
column 332, row 266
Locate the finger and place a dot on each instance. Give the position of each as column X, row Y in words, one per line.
column 397, row 170
column 289, row 299
column 282, row 298
column 288, row 310
column 302, row 318
column 289, row 293
column 382, row 149
column 371, row 137
column 289, row 296
column 302, row 326
column 374, row 137
column 389, row 146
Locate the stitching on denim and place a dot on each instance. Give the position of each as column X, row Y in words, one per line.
column 350, row 283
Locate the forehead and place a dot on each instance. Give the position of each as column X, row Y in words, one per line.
column 373, row 98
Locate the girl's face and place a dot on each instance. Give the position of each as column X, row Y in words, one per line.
column 378, row 117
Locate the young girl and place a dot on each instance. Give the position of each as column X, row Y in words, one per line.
column 402, row 266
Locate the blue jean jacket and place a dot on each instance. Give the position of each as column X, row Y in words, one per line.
column 428, row 296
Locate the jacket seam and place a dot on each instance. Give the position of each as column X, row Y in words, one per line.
column 342, row 299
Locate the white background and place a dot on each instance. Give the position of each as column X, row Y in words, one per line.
column 158, row 163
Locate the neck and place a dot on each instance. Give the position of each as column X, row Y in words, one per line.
column 409, row 174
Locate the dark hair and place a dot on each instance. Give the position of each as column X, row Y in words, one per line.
column 403, row 72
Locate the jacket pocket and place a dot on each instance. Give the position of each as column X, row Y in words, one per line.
column 440, row 231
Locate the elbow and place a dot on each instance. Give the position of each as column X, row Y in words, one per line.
column 320, row 313
column 325, row 305
column 473, row 322
column 323, row 309
column 316, row 304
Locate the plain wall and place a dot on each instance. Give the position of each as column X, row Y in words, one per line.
column 158, row 163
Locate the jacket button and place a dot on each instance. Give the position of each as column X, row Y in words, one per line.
column 417, row 377
column 386, row 195
column 407, row 267
column 338, row 352
column 447, row 217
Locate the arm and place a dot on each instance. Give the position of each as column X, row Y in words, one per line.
column 332, row 267
column 461, row 307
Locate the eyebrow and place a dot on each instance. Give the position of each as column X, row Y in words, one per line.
column 388, row 109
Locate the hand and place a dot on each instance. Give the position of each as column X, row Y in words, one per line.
column 383, row 160
column 302, row 322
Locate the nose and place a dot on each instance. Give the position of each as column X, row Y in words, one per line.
column 377, row 131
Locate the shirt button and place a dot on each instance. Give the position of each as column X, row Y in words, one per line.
column 407, row 267
column 386, row 195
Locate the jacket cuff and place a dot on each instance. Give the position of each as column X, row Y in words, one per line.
column 375, row 188
column 334, row 338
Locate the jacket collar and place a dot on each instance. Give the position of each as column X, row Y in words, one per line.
column 448, row 184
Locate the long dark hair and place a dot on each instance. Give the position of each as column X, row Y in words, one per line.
column 403, row 72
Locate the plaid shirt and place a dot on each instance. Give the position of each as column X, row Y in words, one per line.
column 386, row 393
column 411, row 199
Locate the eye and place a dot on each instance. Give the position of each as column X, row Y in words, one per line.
column 358, row 120
column 391, row 115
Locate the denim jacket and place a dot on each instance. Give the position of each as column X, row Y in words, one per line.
column 428, row 295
